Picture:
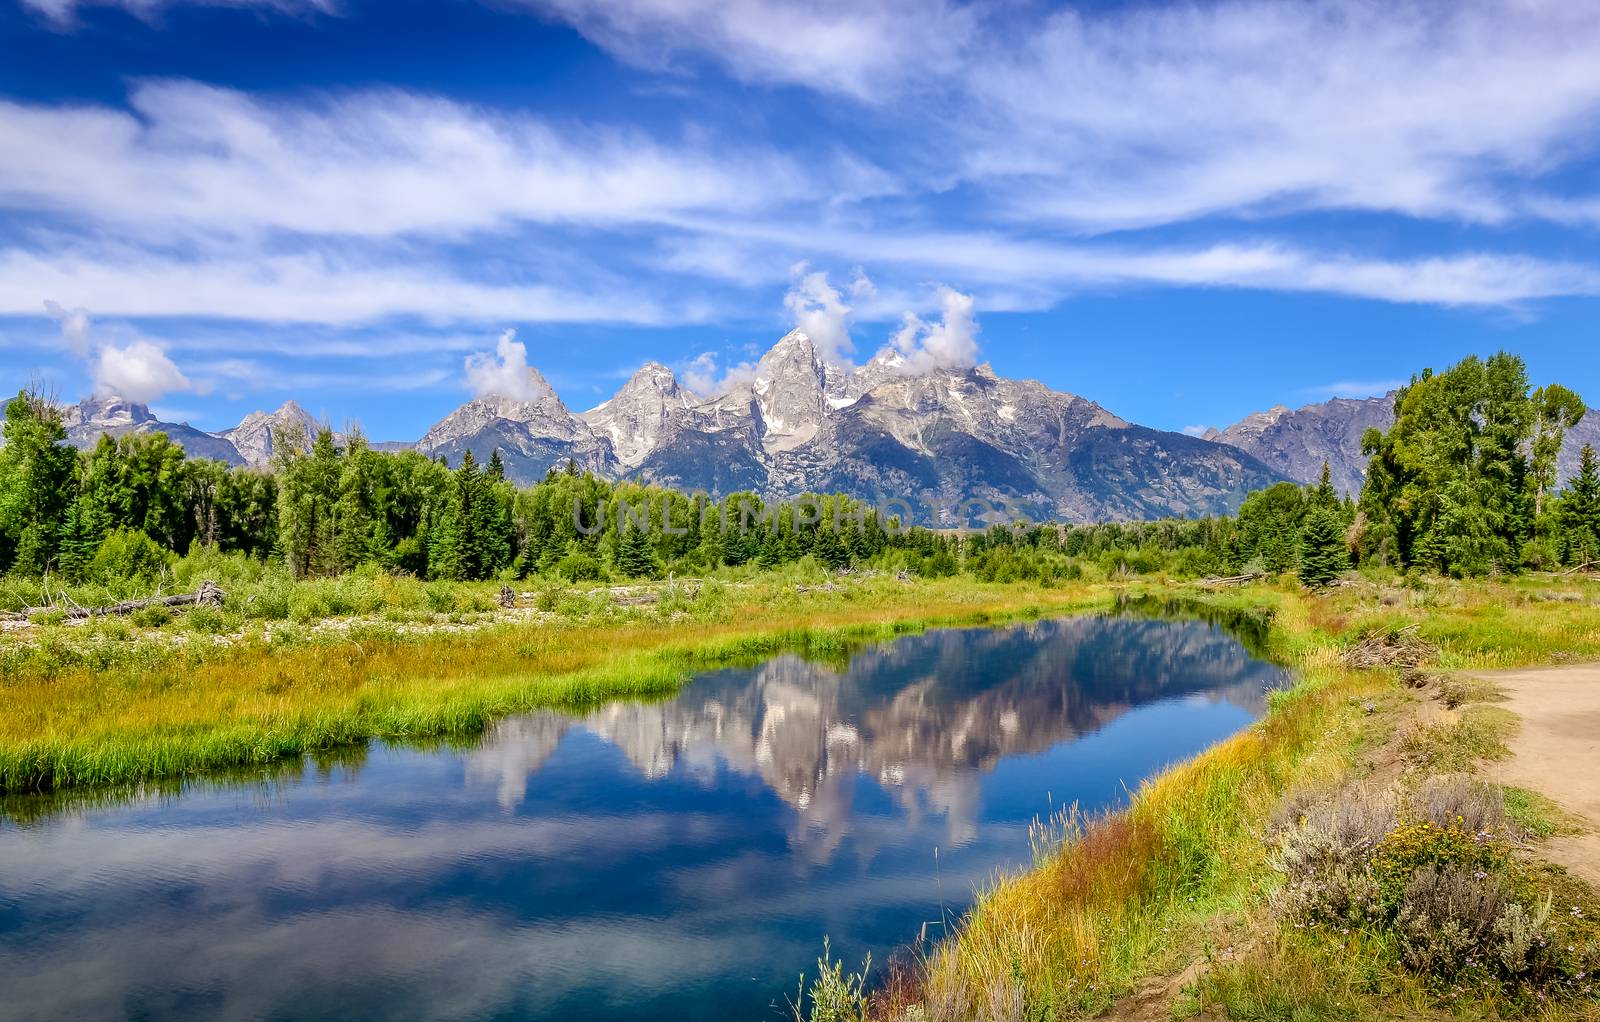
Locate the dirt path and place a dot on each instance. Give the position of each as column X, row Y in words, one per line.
column 1556, row 752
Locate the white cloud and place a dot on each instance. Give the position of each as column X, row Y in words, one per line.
column 1041, row 127
column 64, row 13
column 1175, row 112
column 705, row 377
column 949, row 343
column 316, row 287
column 1196, row 430
column 1154, row 113
column 1038, row 274
column 506, row 372
column 821, row 312
column 74, row 326
column 369, row 164
column 843, row 46
column 138, row 371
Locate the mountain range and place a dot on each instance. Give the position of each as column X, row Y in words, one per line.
column 935, row 438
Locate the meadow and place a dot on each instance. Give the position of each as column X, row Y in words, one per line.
column 1192, row 871
column 116, row 701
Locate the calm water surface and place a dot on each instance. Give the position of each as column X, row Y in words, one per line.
column 679, row 859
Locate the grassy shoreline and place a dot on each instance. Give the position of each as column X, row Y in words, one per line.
column 1186, row 875
column 150, row 709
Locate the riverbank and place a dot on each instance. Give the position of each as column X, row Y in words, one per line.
column 1243, row 885
column 1174, row 906
column 114, row 704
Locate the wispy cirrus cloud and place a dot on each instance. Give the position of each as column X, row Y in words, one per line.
column 1158, row 113
column 1018, row 154
column 64, row 13
column 310, row 286
column 373, row 164
column 861, row 50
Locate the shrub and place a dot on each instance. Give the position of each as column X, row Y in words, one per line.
column 835, row 997
column 1458, row 800
column 128, row 555
column 151, row 617
column 206, row 620
column 1433, row 880
column 1446, row 919
column 578, row 567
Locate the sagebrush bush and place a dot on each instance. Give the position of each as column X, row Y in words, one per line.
column 1432, row 876
column 1447, row 919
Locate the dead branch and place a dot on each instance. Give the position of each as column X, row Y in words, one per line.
column 208, row 595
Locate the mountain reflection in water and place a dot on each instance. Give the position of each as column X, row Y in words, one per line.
column 675, row 859
column 923, row 716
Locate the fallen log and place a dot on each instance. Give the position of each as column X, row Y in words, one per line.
column 1232, row 580
column 208, row 595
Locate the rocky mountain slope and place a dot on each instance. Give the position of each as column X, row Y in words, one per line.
column 256, row 437
column 938, row 440
column 1295, row 442
column 935, row 440
column 89, row 420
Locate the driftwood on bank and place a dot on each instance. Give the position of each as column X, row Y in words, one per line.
column 1232, row 580
column 1403, row 648
column 208, row 595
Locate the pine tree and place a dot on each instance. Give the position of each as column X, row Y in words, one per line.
column 353, row 511
column 78, row 541
column 447, row 539
column 1322, row 494
column 1580, row 510
column 1322, row 551
column 634, row 557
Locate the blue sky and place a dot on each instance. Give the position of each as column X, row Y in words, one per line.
column 1186, row 212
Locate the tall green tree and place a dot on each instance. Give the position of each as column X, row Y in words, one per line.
column 1448, row 485
column 1556, row 410
column 37, row 476
column 635, row 558
column 1269, row 526
column 308, row 491
column 1580, row 511
column 356, row 518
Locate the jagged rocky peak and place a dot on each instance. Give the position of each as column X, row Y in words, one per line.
column 257, row 436
column 635, row 418
column 791, row 391
column 538, row 408
column 1250, row 428
column 105, row 412
column 88, row 420
column 1297, row 441
column 884, row 367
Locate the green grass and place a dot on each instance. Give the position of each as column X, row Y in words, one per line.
column 1477, row 734
column 1137, row 894
column 1539, row 817
column 121, row 707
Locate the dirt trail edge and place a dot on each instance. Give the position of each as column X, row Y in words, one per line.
column 1556, row 752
